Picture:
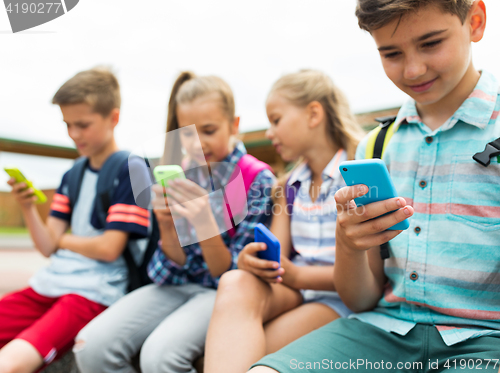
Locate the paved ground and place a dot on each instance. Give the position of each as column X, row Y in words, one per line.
column 18, row 261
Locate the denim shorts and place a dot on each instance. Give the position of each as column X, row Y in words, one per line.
column 329, row 298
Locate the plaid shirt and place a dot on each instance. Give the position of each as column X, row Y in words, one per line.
column 162, row 270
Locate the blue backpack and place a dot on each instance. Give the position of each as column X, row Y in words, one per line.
column 106, row 184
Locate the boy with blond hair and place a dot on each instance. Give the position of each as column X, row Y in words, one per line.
column 433, row 304
column 87, row 272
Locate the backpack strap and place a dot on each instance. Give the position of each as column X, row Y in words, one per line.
column 138, row 272
column 375, row 148
column 250, row 167
column 290, row 194
column 380, row 137
column 75, row 178
column 107, row 182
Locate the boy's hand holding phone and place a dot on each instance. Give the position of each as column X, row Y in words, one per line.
column 363, row 227
column 22, row 194
column 23, row 190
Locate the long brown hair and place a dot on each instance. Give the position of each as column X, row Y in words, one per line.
column 187, row 88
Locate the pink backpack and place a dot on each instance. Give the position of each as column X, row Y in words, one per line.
column 235, row 205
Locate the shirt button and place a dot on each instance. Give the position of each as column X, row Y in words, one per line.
column 414, row 276
column 428, row 139
column 417, row 230
column 423, row 183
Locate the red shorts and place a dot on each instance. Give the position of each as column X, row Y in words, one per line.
column 49, row 324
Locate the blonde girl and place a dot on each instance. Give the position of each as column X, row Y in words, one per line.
column 260, row 307
column 167, row 320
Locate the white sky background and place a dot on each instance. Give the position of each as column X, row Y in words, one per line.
column 249, row 44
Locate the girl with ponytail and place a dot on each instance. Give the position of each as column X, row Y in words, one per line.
column 166, row 322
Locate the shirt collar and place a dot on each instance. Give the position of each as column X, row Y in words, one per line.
column 221, row 171
column 476, row 110
column 331, row 171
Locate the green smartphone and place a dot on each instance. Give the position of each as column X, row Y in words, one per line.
column 165, row 173
column 20, row 178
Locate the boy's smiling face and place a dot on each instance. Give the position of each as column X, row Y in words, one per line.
column 427, row 54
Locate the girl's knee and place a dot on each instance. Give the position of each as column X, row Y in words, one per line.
column 238, row 282
column 240, row 289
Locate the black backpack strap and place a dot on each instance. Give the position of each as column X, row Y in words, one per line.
column 385, row 123
column 75, row 177
column 150, row 249
column 384, row 251
column 134, row 277
column 138, row 273
column 106, row 183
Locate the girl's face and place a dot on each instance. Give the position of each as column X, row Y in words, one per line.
column 289, row 127
column 213, row 127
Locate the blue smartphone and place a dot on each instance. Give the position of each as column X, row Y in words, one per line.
column 372, row 173
column 273, row 251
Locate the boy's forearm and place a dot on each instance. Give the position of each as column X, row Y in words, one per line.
column 106, row 247
column 44, row 240
column 356, row 283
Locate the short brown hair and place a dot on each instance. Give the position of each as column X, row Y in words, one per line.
column 374, row 14
column 97, row 87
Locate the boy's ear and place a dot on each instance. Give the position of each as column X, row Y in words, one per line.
column 477, row 20
column 235, row 127
column 114, row 117
column 316, row 114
